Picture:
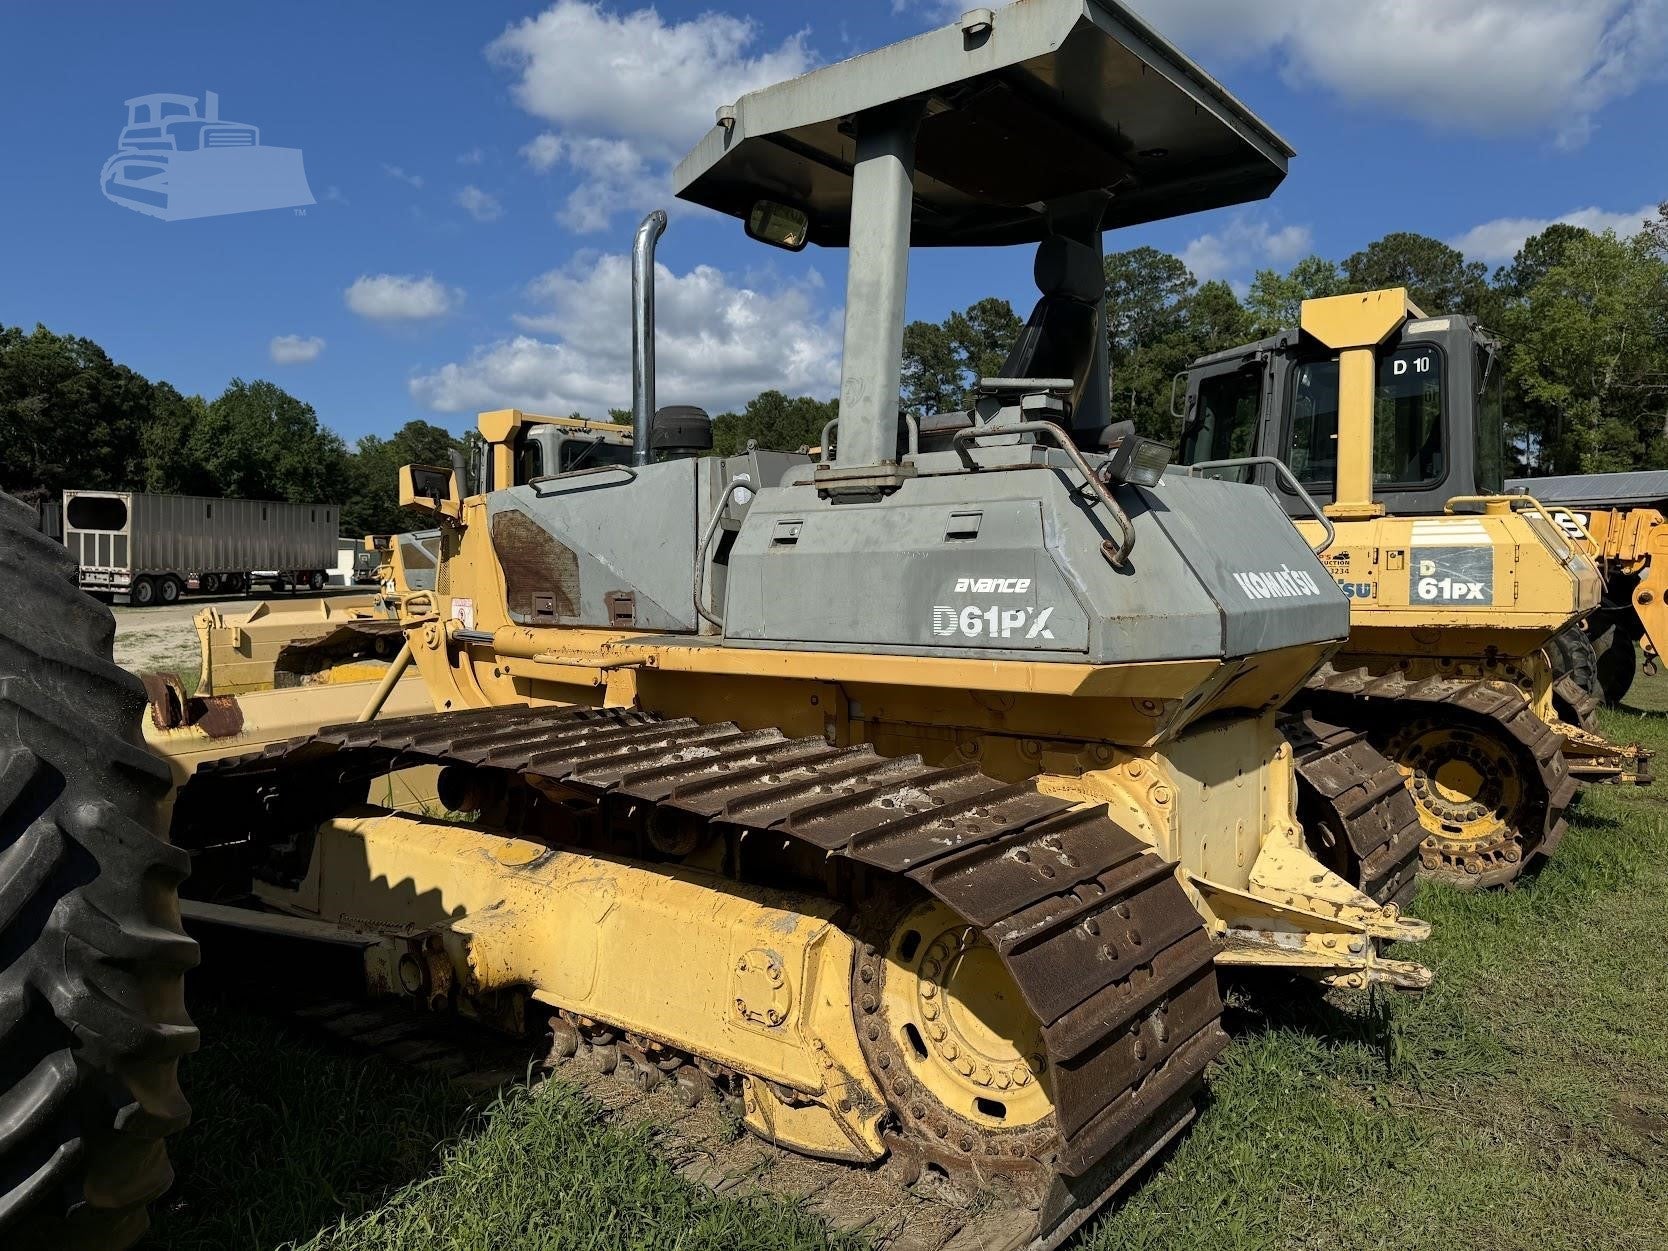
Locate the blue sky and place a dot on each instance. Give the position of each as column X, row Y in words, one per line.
column 478, row 169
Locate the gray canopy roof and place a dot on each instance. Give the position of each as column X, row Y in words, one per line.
column 1055, row 99
column 1606, row 490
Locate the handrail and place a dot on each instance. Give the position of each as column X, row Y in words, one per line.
column 706, row 542
column 1284, row 472
column 1116, row 553
column 570, row 474
column 1534, row 506
column 909, row 421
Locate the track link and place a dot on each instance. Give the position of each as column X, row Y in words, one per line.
column 1354, row 808
column 1094, row 928
column 1380, row 702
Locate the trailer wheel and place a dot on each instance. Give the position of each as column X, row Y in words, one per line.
column 208, row 583
column 169, row 588
column 142, row 593
column 92, row 956
column 315, row 580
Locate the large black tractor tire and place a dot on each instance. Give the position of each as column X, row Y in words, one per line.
column 1573, row 657
column 92, row 955
column 1617, row 661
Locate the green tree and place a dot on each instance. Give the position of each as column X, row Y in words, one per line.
column 171, row 443
column 1538, row 254
column 257, row 441
column 931, row 372
column 372, row 505
column 1275, row 300
column 1146, row 292
column 1438, row 278
column 69, row 415
column 773, row 420
column 1159, row 320
column 1589, row 361
column 943, row 361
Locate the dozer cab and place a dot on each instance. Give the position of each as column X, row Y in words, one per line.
column 913, row 796
column 1379, row 430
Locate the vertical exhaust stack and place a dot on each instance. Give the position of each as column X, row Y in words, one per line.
column 211, row 106
column 642, row 333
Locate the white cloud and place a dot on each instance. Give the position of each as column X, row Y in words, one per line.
column 543, row 151
column 718, row 344
column 1486, row 66
column 480, row 205
column 401, row 297
column 411, row 180
column 472, row 157
column 628, row 93
column 1498, row 241
column 293, row 349
column 613, row 175
column 1245, row 244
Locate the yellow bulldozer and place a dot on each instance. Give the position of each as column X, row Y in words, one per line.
column 914, row 797
column 1379, row 429
column 1621, row 520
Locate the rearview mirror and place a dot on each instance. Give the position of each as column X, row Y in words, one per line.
column 430, row 488
column 779, row 225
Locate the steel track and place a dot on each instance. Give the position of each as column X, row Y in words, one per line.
column 1355, row 809
column 1094, row 928
column 1379, row 702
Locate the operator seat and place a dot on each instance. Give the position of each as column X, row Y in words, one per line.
column 1059, row 338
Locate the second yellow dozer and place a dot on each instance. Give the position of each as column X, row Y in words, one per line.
column 915, row 797
column 1392, row 420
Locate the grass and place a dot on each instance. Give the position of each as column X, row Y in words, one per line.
column 1521, row 1103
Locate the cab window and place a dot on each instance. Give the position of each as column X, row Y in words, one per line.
column 1407, row 418
column 1224, row 425
column 581, row 453
column 1408, row 426
column 1313, row 455
column 529, row 462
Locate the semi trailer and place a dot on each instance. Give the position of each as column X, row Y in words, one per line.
column 152, row 548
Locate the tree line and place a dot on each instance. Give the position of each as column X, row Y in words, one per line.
column 1584, row 316
column 70, row 417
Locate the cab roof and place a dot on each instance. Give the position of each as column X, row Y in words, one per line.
column 1028, row 108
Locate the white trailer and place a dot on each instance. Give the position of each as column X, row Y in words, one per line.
column 152, row 548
